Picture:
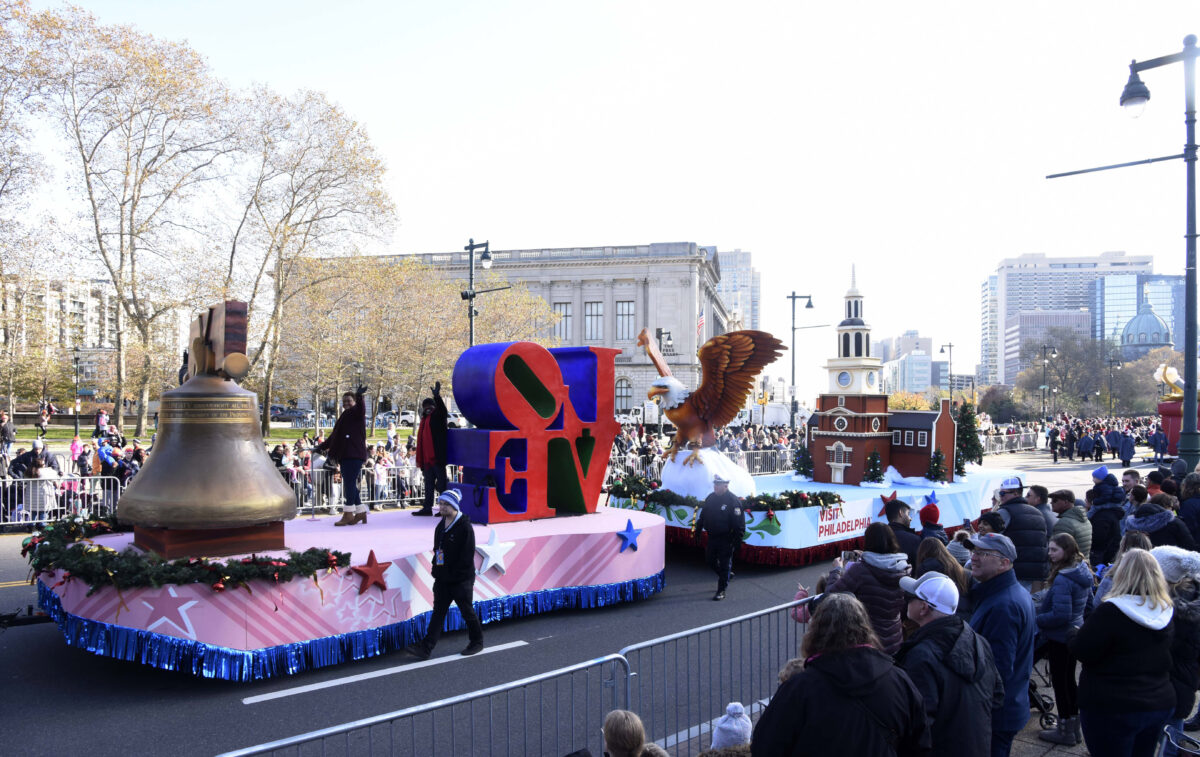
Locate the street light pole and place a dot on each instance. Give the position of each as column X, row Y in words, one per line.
column 1111, row 363
column 665, row 346
column 793, row 297
column 1045, row 363
column 1136, row 95
column 949, row 367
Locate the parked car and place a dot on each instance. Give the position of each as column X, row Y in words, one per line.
column 385, row 418
column 292, row 414
column 456, row 420
column 407, row 418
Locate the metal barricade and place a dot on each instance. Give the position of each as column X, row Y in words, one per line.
column 25, row 501
column 994, row 444
column 321, row 490
column 551, row 713
column 682, row 683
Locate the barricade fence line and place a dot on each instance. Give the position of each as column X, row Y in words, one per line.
column 677, row 684
column 25, row 501
column 997, row 444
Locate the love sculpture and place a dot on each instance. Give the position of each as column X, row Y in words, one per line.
column 544, row 429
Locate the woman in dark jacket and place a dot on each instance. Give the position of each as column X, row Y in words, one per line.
column 1161, row 525
column 1124, row 647
column 1059, row 614
column 850, row 699
column 875, row 581
column 1180, row 569
column 1189, row 504
column 347, row 444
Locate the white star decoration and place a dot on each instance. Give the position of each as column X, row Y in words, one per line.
column 493, row 554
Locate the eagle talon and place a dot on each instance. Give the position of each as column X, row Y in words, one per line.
column 693, row 458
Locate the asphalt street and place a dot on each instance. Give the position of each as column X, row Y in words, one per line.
column 62, row 699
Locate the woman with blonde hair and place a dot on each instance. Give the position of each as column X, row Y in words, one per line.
column 862, row 701
column 624, row 735
column 1124, row 647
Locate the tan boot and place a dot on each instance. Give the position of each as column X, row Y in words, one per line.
column 359, row 518
column 347, row 519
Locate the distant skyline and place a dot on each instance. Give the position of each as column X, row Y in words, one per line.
column 911, row 140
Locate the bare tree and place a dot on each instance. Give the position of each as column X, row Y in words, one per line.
column 142, row 120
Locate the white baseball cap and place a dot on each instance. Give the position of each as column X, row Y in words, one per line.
column 935, row 589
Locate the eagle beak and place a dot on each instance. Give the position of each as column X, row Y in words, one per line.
column 656, row 391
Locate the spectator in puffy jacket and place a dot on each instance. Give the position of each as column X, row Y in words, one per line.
column 1106, row 514
column 1072, row 519
column 1004, row 616
column 875, row 581
column 951, row 666
column 1060, row 613
column 1124, row 648
column 1189, row 504
column 930, row 525
column 1161, row 526
column 865, row 705
column 1181, row 569
column 1026, row 528
column 1126, row 452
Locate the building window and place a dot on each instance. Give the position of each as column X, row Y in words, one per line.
column 858, row 344
column 563, row 329
column 624, row 395
column 845, row 346
column 908, row 438
column 625, row 324
column 839, row 454
column 896, row 438
column 841, row 401
column 593, row 321
column 922, row 438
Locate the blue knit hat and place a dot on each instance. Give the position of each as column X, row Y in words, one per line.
column 452, row 497
column 1100, row 473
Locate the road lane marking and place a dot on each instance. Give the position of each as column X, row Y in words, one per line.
column 373, row 674
column 11, row 584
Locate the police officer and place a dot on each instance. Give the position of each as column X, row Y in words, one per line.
column 722, row 517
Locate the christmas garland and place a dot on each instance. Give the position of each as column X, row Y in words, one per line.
column 790, row 500
column 67, row 546
column 633, row 486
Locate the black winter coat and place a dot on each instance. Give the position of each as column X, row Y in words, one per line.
column 1027, row 529
column 1126, row 665
column 458, row 543
column 853, row 702
column 878, row 588
column 348, row 439
column 1106, row 533
column 908, row 539
column 952, row 667
column 1185, row 650
column 1161, row 526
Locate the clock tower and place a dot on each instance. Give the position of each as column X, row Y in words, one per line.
column 852, row 418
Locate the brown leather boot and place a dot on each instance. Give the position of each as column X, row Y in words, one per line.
column 348, row 518
column 359, row 518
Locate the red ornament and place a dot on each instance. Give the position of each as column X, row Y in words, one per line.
column 219, row 586
column 372, row 573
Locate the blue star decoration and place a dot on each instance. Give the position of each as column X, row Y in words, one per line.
column 931, row 498
column 629, row 536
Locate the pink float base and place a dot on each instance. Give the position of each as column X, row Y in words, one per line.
column 274, row 628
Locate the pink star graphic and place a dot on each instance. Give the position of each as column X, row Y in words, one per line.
column 168, row 607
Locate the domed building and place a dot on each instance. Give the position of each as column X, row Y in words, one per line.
column 1144, row 332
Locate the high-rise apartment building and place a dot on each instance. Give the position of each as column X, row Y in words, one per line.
column 1034, row 326
column 988, row 370
column 740, row 287
column 896, row 347
column 1036, row 281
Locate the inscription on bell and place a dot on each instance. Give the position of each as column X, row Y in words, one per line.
column 206, row 411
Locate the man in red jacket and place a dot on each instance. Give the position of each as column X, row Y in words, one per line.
column 431, row 447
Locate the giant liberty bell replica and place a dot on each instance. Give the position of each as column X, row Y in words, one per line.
column 209, row 487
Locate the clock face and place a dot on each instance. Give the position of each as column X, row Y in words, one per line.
column 874, row 424
column 844, row 378
column 871, row 379
column 840, row 424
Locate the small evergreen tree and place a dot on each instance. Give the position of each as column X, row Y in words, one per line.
column 966, row 444
column 802, row 462
column 874, row 472
column 937, row 467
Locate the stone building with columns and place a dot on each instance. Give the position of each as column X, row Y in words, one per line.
column 605, row 296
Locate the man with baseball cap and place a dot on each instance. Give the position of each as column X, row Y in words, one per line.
column 453, row 576
column 724, row 520
column 1025, row 526
column 1004, row 616
column 951, row 666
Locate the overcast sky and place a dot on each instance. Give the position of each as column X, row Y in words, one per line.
column 909, row 138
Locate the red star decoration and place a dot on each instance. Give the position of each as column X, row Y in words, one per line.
column 372, row 573
column 886, row 499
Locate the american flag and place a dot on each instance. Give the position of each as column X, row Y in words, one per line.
column 700, row 323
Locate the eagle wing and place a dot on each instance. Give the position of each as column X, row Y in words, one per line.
column 730, row 363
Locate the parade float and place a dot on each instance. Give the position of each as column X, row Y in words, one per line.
column 218, row 579
column 858, row 456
